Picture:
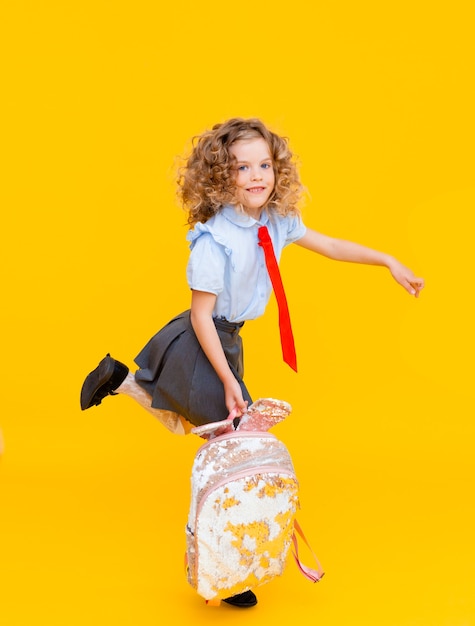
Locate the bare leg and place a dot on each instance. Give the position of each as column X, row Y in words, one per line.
column 172, row 421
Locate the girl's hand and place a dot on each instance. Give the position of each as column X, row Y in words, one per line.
column 405, row 277
column 233, row 397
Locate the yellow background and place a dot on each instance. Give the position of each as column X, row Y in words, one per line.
column 99, row 98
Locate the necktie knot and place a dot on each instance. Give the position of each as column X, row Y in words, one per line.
column 264, row 237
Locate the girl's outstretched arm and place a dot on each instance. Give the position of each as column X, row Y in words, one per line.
column 202, row 305
column 342, row 250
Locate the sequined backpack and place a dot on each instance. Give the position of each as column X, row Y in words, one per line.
column 244, row 499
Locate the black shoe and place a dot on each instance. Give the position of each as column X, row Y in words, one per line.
column 102, row 382
column 243, row 600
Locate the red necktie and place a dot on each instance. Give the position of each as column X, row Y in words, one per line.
column 286, row 335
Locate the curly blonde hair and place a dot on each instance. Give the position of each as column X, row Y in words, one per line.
column 206, row 182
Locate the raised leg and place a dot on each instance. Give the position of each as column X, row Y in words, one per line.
column 172, row 421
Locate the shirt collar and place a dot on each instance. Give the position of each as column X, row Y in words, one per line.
column 239, row 218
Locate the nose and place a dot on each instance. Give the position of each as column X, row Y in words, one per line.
column 256, row 173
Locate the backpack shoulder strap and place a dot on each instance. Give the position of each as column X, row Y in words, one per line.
column 314, row 575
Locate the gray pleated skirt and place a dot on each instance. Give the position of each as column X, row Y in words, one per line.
column 175, row 371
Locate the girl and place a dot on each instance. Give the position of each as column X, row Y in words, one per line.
column 240, row 176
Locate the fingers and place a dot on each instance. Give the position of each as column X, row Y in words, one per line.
column 235, row 398
column 415, row 286
column 241, row 408
column 405, row 277
column 235, row 401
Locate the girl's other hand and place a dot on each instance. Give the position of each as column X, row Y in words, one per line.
column 405, row 277
column 233, row 398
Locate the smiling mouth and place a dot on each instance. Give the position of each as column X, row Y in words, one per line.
column 255, row 189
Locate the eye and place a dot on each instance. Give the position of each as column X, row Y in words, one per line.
column 266, row 166
column 242, row 168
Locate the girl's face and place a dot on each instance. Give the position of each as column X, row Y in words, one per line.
column 255, row 177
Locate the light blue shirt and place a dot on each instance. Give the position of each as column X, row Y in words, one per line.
column 227, row 261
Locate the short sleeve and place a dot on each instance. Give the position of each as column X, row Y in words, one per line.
column 206, row 265
column 296, row 229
